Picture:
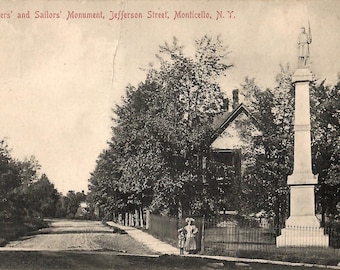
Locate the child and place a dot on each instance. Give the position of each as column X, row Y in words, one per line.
column 181, row 240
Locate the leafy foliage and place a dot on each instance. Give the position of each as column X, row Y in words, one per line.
column 161, row 124
column 269, row 155
column 10, row 181
column 325, row 105
column 24, row 194
column 43, row 197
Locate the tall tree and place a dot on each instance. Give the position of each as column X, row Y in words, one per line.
column 43, row 197
column 268, row 155
column 72, row 201
column 24, row 195
column 163, row 122
column 29, row 170
column 10, row 181
column 104, row 184
column 325, row 108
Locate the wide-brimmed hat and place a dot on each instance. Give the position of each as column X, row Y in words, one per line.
column 189, row 219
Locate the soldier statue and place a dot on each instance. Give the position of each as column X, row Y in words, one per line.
column 304, row 40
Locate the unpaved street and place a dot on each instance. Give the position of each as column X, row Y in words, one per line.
column 92, row 245
column 78, row 235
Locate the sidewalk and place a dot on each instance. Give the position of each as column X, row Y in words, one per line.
column 146, row 239
column 160, row 247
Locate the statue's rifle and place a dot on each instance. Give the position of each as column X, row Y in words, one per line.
column 309, row 33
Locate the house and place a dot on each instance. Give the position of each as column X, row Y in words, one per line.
column 82, row 210
column 223, row 163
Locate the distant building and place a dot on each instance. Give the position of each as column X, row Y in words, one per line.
column 82, row 210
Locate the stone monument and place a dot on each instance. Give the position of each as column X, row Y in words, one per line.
column 302, row 227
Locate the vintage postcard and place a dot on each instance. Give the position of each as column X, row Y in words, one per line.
column 67, row 65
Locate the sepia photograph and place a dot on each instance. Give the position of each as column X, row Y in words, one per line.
column 156, row 134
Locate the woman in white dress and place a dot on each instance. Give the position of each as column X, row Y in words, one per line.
column 191, row 232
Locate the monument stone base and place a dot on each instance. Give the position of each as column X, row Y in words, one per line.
column 293, row 236
column 302, row 227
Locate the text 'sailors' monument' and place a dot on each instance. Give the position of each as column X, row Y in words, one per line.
column 302, row 226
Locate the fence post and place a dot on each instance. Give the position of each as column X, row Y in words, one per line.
column 237, row 230
column 202, row 237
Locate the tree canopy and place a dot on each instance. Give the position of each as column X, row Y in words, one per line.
column 158, row 129
column 269, row 155
column 164, row 124
column 24, row 193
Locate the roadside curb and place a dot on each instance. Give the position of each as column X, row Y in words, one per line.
column 156, row 245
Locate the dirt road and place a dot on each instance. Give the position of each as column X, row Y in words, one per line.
column 66, row 235
column 91, row 245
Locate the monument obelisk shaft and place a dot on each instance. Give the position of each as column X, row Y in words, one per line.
column 302, row 181
column 302, row 226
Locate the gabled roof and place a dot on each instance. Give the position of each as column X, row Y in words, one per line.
column 222, row 122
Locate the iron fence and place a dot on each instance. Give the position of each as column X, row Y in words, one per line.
column 163, row 227
column 233, row 238
column 230, row 237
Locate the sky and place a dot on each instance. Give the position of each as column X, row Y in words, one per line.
column 60, row 77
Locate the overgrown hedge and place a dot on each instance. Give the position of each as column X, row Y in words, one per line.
column 13, row 230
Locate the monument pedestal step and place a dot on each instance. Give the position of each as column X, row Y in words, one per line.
column 295, row 236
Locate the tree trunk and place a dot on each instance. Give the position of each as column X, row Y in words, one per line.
column 141, row 217
column 130, row 219
column 147, row 225
column 136, row 218
column 126, row 219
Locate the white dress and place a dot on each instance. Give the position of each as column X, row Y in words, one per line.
column 190, row 243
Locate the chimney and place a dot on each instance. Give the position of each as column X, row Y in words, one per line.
column 235, row 99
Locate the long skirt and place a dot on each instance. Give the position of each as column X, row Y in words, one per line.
column 190, row 244
column 181, row 243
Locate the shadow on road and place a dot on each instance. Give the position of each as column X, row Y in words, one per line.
column 113, row 260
